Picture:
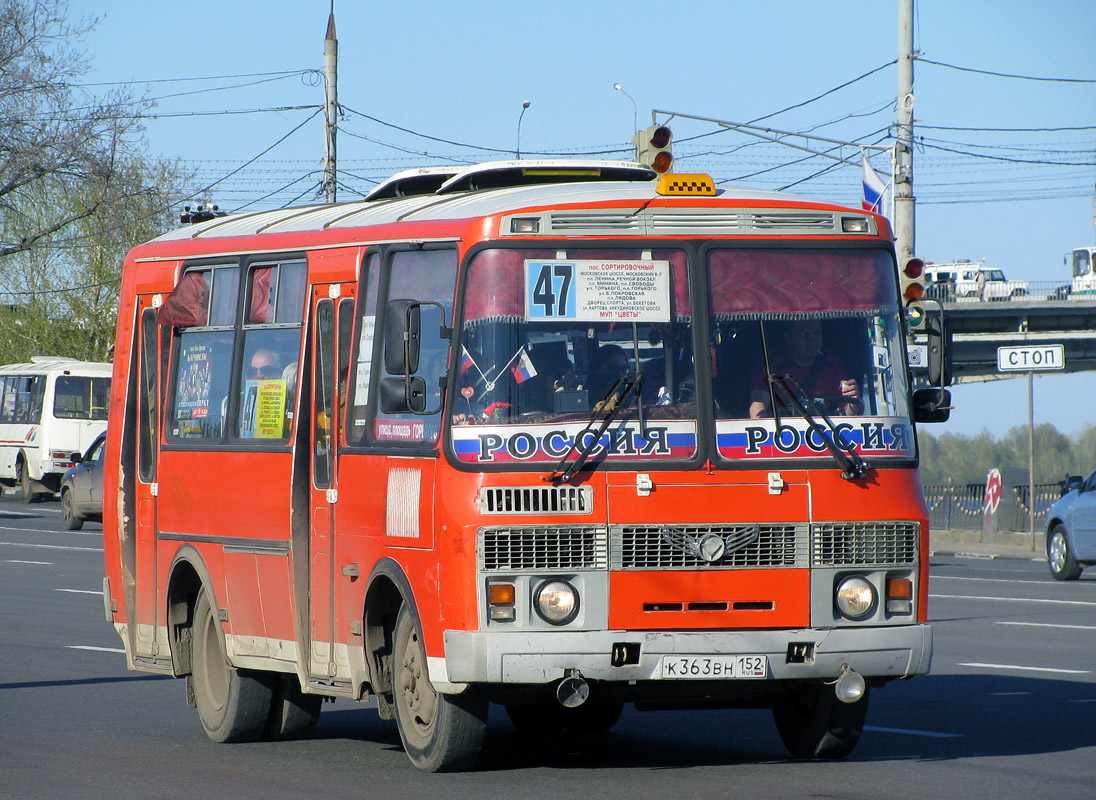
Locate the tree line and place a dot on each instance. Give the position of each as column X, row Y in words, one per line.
column 77, row 188
column 966, row 459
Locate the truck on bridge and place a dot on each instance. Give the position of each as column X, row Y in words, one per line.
column 1082, row 260
column 971, row 281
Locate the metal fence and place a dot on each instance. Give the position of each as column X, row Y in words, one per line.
column 961, row 506
column 1014, row 291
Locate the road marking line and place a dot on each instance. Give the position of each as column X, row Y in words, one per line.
column 930, row 734
column 1051, row 625
column 97, row 649
column 1013, row 599
column 91, row 532
column 1027, row 669
column 80, row 591
column 20, row 561
column 991, row 580
column 55, row 547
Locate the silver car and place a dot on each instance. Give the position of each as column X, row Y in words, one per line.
column 82, row 487
column 1071, row 529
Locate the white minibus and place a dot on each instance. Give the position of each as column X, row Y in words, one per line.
column 50, row 409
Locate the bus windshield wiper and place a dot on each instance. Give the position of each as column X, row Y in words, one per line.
column 614, row 400
column 791, row 393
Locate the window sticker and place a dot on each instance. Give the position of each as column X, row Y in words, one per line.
column 548, row 443
column 794, row 438
column 597, row 291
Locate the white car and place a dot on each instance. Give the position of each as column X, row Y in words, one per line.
column 958, row 281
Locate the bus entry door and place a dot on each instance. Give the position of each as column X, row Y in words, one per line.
column 330, row 342
column 146, row 365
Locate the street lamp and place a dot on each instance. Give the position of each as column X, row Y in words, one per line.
column 635, row 108
column 524, row 108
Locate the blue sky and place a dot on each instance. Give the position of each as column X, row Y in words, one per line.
column 459, row 72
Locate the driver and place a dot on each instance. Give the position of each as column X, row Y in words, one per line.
column 818, row 374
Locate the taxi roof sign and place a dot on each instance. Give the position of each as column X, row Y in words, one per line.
column 683, row 184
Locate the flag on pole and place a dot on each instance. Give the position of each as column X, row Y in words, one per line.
column 523, row 368
column 875, row 191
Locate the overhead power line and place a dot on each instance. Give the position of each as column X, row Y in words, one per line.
column 1005, row 74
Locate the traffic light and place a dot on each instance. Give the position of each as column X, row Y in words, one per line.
column 913, row 280
column 653, row 147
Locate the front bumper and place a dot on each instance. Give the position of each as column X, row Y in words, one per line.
column 543, row 656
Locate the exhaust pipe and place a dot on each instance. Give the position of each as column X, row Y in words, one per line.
column 573, row 690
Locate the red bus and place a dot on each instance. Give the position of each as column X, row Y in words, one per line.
column 560, row 437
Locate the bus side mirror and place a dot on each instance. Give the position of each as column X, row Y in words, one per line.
column 938, row 332
column 931, row 405
column 403, row 395
column 402, row 337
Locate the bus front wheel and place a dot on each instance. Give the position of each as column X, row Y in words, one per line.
column 233, row 705
column 813, row 723
column 440, row 732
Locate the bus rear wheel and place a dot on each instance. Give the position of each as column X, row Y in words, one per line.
column 440, row 732
column 813, row 723
column 233, row 705
column 26, row 485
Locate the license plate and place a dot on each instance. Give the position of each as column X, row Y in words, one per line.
column 715, row 667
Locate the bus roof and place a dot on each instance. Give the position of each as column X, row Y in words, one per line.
column 45, row 365
column 499, row 188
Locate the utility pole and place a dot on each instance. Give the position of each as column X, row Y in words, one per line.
column 331, row 103
column 905, row 244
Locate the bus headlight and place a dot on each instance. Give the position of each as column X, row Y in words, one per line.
column 556, row 602
column 855, row 597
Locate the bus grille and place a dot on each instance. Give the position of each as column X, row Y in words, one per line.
column 536, row 500
column 847, row 544
column 681, row 546
column 535, row 547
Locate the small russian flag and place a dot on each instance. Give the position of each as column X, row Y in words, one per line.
column 466, row 362
column 523, row 368
column 875, row 191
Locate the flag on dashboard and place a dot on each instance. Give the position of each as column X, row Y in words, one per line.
column 466, row 362
column 523, row 368
column 875, row 191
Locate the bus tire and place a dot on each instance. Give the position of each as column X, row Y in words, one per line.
column 440, row 732
column 293, row 714
column 25, row 485
column 69, row 518
column 233, row 705
column 813, row 723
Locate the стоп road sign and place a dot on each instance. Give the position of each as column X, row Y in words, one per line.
column 1031, row 358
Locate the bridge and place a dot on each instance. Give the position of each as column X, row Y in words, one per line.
column 1047, row 314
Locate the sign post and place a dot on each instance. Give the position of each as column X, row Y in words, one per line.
column 1031, row 358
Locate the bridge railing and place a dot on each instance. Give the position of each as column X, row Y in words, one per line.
column 961, row 506
column 1014, row 291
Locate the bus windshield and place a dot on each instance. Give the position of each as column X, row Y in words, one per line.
column 549, row 338
column 548, row 334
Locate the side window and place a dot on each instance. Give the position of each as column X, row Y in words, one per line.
column 427, row 276
column 203, row 305
column 80, row 397
column 267, row 388
column 361, row 374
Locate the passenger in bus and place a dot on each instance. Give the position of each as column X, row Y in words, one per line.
column 609, row 365
column 820, row 376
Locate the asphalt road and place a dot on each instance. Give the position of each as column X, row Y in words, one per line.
column 1009, row 710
